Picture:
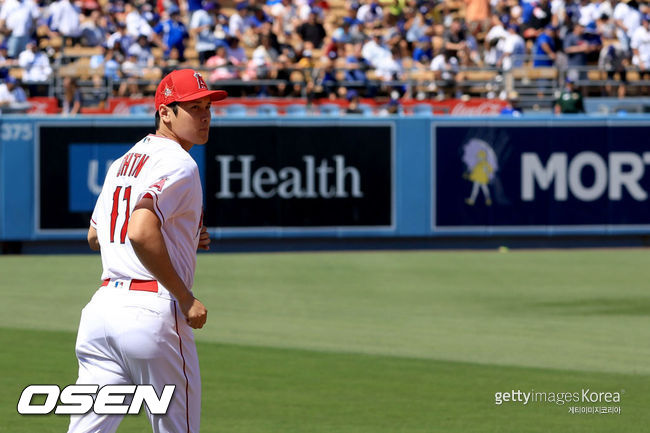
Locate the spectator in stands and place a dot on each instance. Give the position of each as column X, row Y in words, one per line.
column 577, row 47
column 353, row 103
column 257, row 18
column 93, row 29
column 35, row 63
column 172, row 33
column 336, row 47
column 109, row 61
column 536, row 16
column 223, row 67
column 98, row 93
column 18, row 18
column 389, row 68
column 605, row 27
column 352, row 29
column 12, row 96
column 120, row 40
column 570, row 100
column 493, row 43
column 70, row 100
column 191, row 7
column 237, row 24
column 613, row 59
column 6, row 98
column 202, row 28
column 17, row 92
column 370, row 14
column 423, row 51
column 264, row 57
column 285, row 17
column 511, row 109
column 640, row 45
column 142, row 51
column 374, row 50
column 477, row 15
column 455, row 38
column 284, row 70
column 627, row 19
column 392, row 108
column 136, row 24
column 416, row 25
column 327, row 80
column 355, row 68
column 131, row 73
column 5, row 61
column 64, row 21
column 236, row 54
column 312, row 30
column 592, row 10
column 514, row 49
column 445, row 68
column 544, row 51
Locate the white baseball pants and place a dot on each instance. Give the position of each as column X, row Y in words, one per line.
column 135, row 337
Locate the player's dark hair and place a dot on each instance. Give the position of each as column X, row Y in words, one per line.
column 173, row 106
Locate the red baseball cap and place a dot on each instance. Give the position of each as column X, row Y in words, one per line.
column 185, row 85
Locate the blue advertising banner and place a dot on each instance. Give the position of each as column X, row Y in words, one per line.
column 88, row 164
column 504, row 177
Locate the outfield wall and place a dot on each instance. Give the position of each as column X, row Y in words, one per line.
column 350, row 177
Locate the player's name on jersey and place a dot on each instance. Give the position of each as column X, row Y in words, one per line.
column 132, row 164
column 325, row 179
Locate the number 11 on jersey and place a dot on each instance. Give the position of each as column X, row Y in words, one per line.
column 115, row 212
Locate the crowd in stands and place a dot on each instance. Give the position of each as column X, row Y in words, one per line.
column 314, row 48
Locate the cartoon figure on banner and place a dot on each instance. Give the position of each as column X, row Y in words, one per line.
column 482, row 164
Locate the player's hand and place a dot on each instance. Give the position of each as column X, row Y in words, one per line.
column 195, row 313
column 204, row 239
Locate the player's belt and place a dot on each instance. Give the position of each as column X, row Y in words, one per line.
column 139, row 285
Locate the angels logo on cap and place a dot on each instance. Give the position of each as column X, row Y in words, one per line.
column 185, row 85
column 200, row 81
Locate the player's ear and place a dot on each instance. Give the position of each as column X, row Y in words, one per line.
column 165, row 113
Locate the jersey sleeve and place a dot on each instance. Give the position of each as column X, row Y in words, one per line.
column 171, row 188
column 96, row 213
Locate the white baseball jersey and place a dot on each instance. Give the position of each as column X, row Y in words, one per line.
column 161, row 168
column 127, row 334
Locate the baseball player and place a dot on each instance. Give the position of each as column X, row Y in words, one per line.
column 148, row 224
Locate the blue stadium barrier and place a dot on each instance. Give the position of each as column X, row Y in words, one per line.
column 350, row 177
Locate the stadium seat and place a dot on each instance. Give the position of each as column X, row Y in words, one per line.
column 267, row 110
column 422, row 110
column 235, row 110
column 296, row 110
column 329, row 110
column 366, row 109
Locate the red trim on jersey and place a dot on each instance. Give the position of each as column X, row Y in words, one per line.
column 187, row 382
column 155, row 202
column 93, row 221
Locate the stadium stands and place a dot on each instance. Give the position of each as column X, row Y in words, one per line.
column 320, row 49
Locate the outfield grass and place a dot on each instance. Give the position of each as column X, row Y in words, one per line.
column 369, row 342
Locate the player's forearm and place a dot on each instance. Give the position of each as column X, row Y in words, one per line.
column 149, row 245
column 93, row 241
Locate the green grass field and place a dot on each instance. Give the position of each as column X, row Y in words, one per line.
column 369, row 342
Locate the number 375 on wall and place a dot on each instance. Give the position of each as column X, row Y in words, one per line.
column 14, row 131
